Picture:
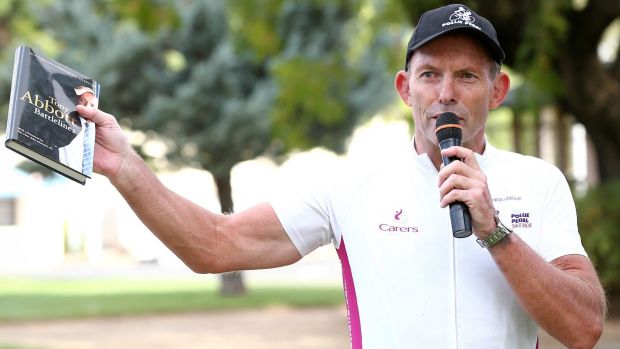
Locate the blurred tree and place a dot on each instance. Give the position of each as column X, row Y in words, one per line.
column 149, row 15
column 181, row 84
column 219, row 83
column 555, row 45
column 14, row 19
column 325, row 86
column 218, row 108
column 329, row 64
column 234, row 102
column 598, row 224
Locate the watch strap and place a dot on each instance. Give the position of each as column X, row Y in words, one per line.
column 500, row 232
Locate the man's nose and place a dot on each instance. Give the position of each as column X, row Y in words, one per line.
column 447, row 93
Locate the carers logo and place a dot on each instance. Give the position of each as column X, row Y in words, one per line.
column 398, row 224
column 400, row 217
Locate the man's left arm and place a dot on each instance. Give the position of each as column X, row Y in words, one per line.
column 563, row 296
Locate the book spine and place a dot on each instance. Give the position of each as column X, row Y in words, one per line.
column 96, row 88
column 11, row 128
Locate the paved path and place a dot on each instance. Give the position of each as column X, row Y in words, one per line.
column 274, row 328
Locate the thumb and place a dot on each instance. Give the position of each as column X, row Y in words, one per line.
column 95, row 115
column 86, row 112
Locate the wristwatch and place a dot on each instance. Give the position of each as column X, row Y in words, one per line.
column 500, row 232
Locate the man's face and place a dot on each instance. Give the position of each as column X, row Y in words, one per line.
column 87, row 99
column 450, row 74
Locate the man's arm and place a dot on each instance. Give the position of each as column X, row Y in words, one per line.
column 564, row 296
column 207, row 242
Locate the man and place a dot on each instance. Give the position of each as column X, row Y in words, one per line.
column 408, row 282
column 86, row 96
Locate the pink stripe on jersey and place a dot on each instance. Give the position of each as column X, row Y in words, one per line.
column 355, row 328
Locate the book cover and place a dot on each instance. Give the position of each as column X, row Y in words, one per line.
column 43, row 124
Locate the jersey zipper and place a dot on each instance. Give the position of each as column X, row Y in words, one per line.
column 454, row 280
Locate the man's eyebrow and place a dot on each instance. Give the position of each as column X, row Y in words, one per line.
column 425, row 66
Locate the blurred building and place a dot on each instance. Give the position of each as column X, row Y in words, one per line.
column 31, row 224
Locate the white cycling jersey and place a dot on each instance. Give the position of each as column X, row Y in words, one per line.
column 408, row 282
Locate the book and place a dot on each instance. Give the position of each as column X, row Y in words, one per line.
column 43, row 124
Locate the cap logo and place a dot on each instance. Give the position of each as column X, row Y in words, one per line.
column 461, row 16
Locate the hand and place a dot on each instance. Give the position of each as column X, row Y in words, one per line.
column 464, row 181
column 112, row 148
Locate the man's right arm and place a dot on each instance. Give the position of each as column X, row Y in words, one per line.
column 205, row 241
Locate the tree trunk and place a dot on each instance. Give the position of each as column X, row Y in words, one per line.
column 593, row 87
column 517, row 131
column 563, row 143
column 606, row 155
column 232, row 282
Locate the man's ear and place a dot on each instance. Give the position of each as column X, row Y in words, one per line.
column 501, row 86
column 401, row 83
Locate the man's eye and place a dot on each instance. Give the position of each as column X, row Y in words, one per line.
column 428, row 75
column 468, row 76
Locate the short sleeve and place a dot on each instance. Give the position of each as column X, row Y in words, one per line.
column 303, row 212
column 560, row 235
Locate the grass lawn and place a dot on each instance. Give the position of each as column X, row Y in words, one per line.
column 28, row 299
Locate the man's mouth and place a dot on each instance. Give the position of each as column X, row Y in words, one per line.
column 434, row 117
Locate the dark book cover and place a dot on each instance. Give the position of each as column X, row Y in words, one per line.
column 43, row 124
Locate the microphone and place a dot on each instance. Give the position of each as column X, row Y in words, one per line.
column 449, row 133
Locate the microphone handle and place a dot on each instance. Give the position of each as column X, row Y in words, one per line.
column 459, row 212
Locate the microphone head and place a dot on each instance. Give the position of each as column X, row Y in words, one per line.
column 447, row 126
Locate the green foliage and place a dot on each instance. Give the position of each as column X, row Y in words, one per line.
column 306, row 110
column 311, row 74
column 332, row 71
column 543, row 35
column 150, row 15
column 252, row 24
column 599, row 225
column 218, row 81
column 218, row 103
column 14, row 19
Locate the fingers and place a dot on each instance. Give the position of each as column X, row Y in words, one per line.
column 453, row 188
column 460, row 176
column 464, row 181
column 95, row 115
column 466, row 155
column 460, row 188
column 461, row 182
column 468, row 165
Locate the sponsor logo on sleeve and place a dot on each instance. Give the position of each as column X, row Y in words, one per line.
column 520, row 220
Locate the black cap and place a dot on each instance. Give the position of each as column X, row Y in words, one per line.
column 451, row 18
